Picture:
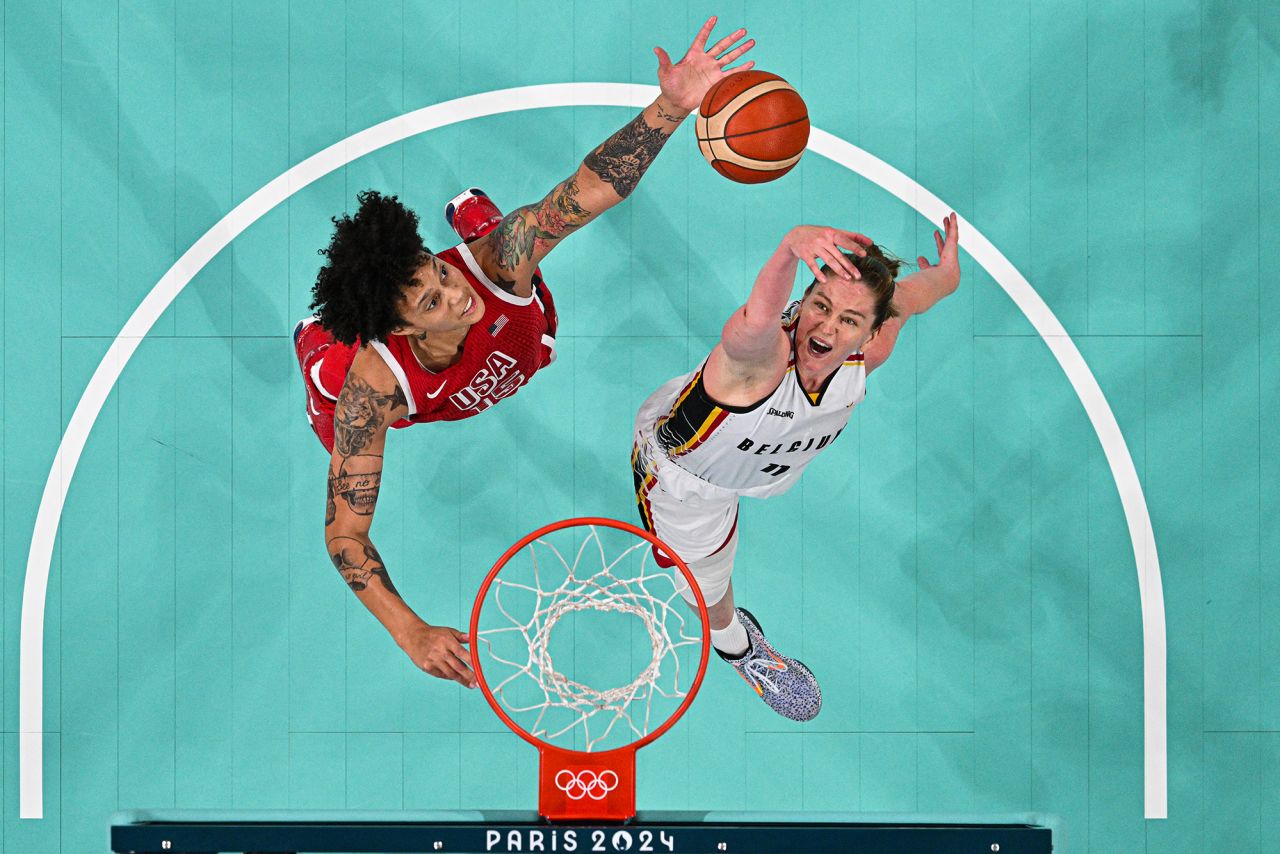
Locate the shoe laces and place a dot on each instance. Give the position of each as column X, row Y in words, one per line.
column 759, row 667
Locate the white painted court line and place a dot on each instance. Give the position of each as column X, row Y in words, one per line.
column 35, row 585
column 1150, row 589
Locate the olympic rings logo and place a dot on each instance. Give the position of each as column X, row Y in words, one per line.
column 586, row 783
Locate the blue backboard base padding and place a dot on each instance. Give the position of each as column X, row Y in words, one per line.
column 496, row 831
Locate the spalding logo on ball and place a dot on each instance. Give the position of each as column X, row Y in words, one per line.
column 752, row 127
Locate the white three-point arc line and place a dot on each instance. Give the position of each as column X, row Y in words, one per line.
column 31, row 649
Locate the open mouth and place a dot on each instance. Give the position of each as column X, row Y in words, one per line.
column 471, row 302
column 818, row 348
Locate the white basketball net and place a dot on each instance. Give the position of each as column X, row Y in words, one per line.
column 593, row 712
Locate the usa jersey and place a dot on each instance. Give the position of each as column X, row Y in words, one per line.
column 755, row 450
column 513, row 340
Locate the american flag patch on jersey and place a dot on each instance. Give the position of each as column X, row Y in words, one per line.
column 497, row 325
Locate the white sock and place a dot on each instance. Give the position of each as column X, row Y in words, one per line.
column 732, row 639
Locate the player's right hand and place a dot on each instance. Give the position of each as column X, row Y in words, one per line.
column 820, row 242
column 684, row 83
column 440, row 651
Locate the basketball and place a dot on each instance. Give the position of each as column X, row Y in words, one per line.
column 752, row 127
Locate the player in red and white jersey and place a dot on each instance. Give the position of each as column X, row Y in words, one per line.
column 514, row 338
column 403, row 335
column 769, row 398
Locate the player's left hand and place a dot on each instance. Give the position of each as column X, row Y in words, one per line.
column 948, row 249
column 814, row 243
column 685, row 82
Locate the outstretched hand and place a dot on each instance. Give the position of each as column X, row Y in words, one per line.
column 440, row 651
column 813, row 243
column 684, row 83
column 948, row 248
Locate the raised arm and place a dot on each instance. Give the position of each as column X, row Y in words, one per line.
column 510, row 253
column 370, row 401
column 917, row 293
column 752, row 343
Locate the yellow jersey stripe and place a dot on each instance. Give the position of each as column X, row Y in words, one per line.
column 700, row 435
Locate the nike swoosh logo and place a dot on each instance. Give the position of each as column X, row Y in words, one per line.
column 433, row 395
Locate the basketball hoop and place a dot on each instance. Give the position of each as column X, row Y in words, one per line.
column 550, row 590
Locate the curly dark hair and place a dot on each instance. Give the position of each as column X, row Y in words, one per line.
column 372, row 257
column 879, row 271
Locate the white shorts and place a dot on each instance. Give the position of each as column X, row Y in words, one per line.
column 701, row 525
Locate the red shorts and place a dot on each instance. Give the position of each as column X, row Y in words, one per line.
column 310, row 341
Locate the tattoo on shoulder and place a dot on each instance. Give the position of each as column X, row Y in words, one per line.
column 624, row 157
column 512, row 243
column 359, row 563
column 359, row 414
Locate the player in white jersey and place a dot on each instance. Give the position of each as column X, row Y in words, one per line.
column 766, row 401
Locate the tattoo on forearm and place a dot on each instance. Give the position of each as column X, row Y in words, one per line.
column 556, row 216
column 330, row 509
column 357, row 482
column 358, row 414
column 624, row 157
column 359, row 563
column 669, row 116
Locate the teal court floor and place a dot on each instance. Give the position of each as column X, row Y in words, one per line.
column 958, row 568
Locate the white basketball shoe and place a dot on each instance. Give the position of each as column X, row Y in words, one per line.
column 786, row 685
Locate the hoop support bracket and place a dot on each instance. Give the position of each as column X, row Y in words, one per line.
column 575, row 786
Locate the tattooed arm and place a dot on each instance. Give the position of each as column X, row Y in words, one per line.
column 370, row 401
column 510, row 253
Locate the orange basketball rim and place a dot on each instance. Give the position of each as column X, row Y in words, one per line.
column 587, row 784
